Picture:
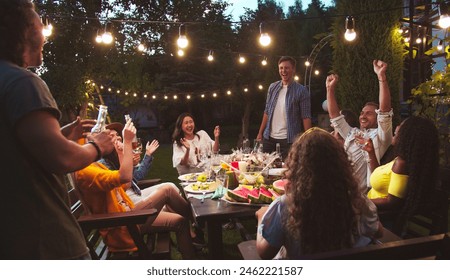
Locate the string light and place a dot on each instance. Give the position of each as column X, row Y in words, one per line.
column 440, row 45
column 98, row 38
column 210, row 56
column 228, row 92
column 350, row 33
column 264, row 61
column 260, row 87
column 154, row 96
column 182, row 41
column 245, row 89
column 188, row 97
column 180, row 52
column 202, row 96
column 264, row 38
column 241, row 59
column 296, row 78
column 317, row 72
column 214, row 95
column 141, row 47
column 307, row 63
column 47, row 30
column 444, row 18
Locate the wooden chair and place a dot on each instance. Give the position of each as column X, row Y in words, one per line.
column 428, row 219
column 428, row 247
column 155, row 246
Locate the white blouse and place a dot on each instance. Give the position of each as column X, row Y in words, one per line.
column 200, row 143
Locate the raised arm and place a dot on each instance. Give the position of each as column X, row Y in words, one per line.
column 333, row 108
column 41, row 136
column 126, row 164
column 380, row 67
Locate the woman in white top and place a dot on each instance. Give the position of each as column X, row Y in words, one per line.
column 189, row 144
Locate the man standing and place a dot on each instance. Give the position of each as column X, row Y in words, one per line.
column 36, row 153
column 375, row 124
column 287, row 112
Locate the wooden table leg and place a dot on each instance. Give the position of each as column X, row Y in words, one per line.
column 215, row 246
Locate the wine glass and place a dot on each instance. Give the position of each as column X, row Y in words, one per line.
column 137, row 146
column 215, row 164
column 361, row 138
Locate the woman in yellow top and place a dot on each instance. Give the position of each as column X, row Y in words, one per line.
column 405, row 182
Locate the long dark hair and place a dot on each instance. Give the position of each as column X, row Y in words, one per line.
column 418, row 144
column 323, row 197
column 15, row 20
column 178, row 131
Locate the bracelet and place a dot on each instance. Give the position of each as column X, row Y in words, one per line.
column 382, row 81
column 99, row 152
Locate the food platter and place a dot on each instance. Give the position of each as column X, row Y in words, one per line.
column 191, row 188
column 189, row 177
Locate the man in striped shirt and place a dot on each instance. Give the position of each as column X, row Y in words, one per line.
column 287, row 112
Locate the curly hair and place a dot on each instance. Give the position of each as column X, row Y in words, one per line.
column 178, row 131
column 418, row 144
column 323, row 197
column 15, row 20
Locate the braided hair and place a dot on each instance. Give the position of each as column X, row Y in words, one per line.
column 418, row 144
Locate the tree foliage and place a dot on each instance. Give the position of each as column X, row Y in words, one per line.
column 376, row 39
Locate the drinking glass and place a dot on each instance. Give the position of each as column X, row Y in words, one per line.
column 222, row 181
column 361, row 138
column 137, row 146
column 216, row 164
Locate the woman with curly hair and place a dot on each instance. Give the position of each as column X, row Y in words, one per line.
column 408, row 181
column 189, row 144
column 323, row 208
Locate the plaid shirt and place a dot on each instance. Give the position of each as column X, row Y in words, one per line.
column 298, row 107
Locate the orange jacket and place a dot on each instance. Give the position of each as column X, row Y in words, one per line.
column 100, row 188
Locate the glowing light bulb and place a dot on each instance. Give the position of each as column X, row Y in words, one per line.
column 296, row 78
column 99, row 39
column 260, row 87
column 228, row 92
column 264, row 62
column 317, row 72
column 141, row 47
column 188, row 97
column 47, row 30
column 307, row 63
column 180, row 52
column 210, row 56
column 350, row 35
column 214, row 94
column 444, row 21
column 440, row 46
column 202, row 96
column 264, row 39
column 241, row 59
column 182, row 41
column 107, row 38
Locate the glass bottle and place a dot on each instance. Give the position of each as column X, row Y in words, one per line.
column 128, row 118
column 101, row 119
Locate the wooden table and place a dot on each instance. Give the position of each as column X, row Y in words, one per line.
column 214, row 213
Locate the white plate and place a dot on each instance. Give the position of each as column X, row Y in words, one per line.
column 277, row 171
column 212, row 188
column 189, row 177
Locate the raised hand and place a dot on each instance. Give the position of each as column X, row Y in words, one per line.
column 379, row 67
column 150, row 148
column 129, row 131
column 331, row 81
column 216, row 131
column 185, row 143
column 77, row 129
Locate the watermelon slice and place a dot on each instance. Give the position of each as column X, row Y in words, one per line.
column 253, row 196
column 265, row 196
column 239, row 194
column 279, row 186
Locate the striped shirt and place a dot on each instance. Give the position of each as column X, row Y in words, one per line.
column 298, row 107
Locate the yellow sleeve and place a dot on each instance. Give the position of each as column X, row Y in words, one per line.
column 397, row 185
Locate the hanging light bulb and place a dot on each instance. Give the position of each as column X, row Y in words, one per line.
column 241, row 59
column 440, row 45
column 180, row 52
column 260, row 87
column 214, row 94
column 317, row 72
column 418, row 40
column 307, row 63
column 228, row 92
column 264, row 61
column 296, row 78
column 188, row 97
column 444, row 19
column 141, row 47
column 98, row 38
column 210, row 56
column 47, row 30
column 182, row 41
column 264, row 39
column 350, row 33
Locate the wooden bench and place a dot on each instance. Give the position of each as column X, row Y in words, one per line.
column 428, row 247
column 155, row 246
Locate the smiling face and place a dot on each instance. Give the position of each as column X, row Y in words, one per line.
column 368, row 117
column 286, row 70
column 188, row 126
